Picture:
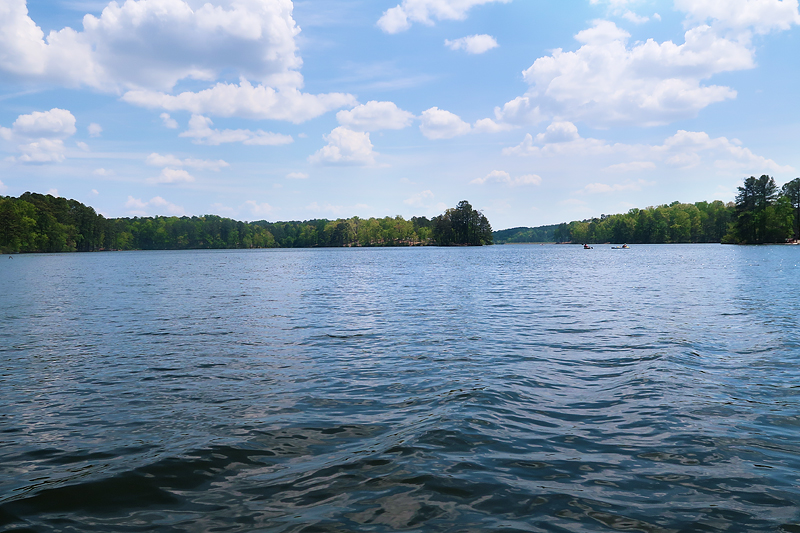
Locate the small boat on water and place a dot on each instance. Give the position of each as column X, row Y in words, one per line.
column 587, row 247
column 623, row 247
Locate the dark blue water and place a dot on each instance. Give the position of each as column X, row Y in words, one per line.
column 513, row 388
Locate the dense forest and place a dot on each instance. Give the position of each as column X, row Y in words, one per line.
column 676, row 222
column 462, row 225
column 762, row 213
column 765, row 213
column 43, row 223
column 523, row 235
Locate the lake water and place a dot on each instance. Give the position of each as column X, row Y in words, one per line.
column 505, row 388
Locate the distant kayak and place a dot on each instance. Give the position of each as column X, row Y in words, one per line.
column 623, row 247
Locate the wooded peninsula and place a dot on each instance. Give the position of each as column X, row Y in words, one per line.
column 44, row 223
column 762, row 213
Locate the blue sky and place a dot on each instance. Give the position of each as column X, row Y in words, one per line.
column 535, row 111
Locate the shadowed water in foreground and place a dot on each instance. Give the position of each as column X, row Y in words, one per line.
column 513, row 388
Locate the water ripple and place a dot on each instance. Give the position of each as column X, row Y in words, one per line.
column 508, row 388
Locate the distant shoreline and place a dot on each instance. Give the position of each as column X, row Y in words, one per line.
column 598, row 245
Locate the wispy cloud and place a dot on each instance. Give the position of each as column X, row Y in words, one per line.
column 501, row 176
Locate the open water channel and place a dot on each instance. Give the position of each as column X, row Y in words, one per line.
column 505, row 388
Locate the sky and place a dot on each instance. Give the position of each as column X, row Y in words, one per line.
column 535, row 111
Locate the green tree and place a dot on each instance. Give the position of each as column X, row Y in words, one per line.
column 791, row 191
column 17, row 226
column 462, row 225
column 760, row 217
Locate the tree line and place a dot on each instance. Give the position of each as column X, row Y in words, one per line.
column 44, row 223
column 761, row 213
column 523, row 235
column 766, row 214
column 668, row 223
column 673, row 223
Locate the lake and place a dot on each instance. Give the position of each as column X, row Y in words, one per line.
column 514, row 388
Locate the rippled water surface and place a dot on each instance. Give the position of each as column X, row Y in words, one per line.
column 513, row 388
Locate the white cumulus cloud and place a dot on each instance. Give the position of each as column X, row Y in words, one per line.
column 39, row 136
column 168, row 121
column 244, row 100
column 374, row 116
column 158, row 160
column 172, row 175
column 501, row 176
column 345, row 147
column 42, row 151
column 169, row 160
column 399, row 18
column 143, row 48
column 440, row 124
column 613, row 4
column 472, row 44
column 558, row 132
column 201, row 133
column 155, row 43
column 94, row 129
column 621, row 8
column 607, row 82
column 685, row 149
column 421, row 199
column 579, row 146
column 601, row 188
column 633, row 17
column 487, row 125
column 761, row 16
column 519, row 111
column 155, row 206
column 633, row 166
column 56, row 123
column 259, row 209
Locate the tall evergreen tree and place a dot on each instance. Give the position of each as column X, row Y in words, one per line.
column 791, row 191
column 761, row 216
column 462, row 225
